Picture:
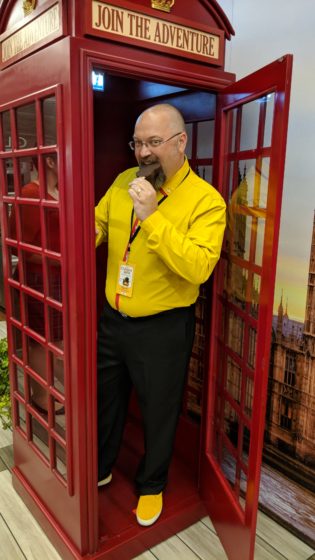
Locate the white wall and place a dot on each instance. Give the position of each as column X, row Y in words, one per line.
column 264, row 31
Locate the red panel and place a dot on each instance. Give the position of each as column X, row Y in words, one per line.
column 251, row 139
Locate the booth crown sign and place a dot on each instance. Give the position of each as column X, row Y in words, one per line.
column 29, row 6
column 164, row 5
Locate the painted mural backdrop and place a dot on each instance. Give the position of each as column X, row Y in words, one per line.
column 262, row 34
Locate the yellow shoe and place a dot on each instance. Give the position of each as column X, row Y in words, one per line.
column 149, row 509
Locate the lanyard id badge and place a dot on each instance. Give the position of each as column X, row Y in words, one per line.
column 125, row 280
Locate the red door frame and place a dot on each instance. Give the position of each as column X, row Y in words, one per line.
column 236, row 527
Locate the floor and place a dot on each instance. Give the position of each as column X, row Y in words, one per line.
column 22, row 538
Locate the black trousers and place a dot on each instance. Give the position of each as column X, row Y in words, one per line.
column 151, row 354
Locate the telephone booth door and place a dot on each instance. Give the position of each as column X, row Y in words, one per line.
column 251, row 139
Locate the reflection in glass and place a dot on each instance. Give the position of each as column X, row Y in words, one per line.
column 40, row 437
column 236, row 333
column 54, row 279
column 260, row 241
column 9, row 187
column 205, row 172
column 52, row 229
column 60, row 419
column 231, row 123
column 228, row 465
column 249, row 125
column 51, row 176
column 61, row 460
column 26, row 126
column 17, row 342
column 234, row 380
column 35, row 314
column 231, row 423
column 13, row 262
column 19, row 379
column 252, row 336
column 33, row 271
column 16, row 305
column 6, row 131
column 56, row 327
column 189, row 129
column 205, row 138
column 254, row 308
column 245, row 445
column 57, row 366
column 10, row 212
column 49, row 121
column 37, row 359
column 237, row 279
column 21, row 416
column 30, row 224
column 28, row 171
column 252, row 189
column 270, row 100
column 249, row 396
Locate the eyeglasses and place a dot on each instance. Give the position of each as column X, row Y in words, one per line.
column 153, row 143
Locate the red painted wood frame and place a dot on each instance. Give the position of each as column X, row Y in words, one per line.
column 250, row 142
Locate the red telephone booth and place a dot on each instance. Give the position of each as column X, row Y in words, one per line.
column 74, row 76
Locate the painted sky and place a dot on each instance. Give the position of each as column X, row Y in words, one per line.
column 264, row 31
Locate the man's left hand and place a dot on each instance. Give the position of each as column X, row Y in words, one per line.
column 144, row 197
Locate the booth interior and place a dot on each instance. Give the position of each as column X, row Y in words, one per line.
column 118, row 101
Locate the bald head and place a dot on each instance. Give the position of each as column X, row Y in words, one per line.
column 165, row 113
column 165, row 124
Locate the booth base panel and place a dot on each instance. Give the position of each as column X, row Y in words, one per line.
column 120, row 536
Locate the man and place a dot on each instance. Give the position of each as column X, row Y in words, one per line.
column 164, row 230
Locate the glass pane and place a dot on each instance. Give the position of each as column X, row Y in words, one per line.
column 189, row 130
column 249, row 396
column 40, row 437
column 55, row 322
column 16, row 304
column 60, row 419
column 228, row 465
column 6, row 131
column 245, row 445
column 35, row 314
column 237, row 279
column 17, row 342
column 19, row 379
column 49, row 121
column 231, row 137
column 253, row 186
column 52, row 229
column 205, row 137
column 270, row 100
column 254, row 309
column 205, row 172
column 61, row 460
column 30, row 224
column 231, row 423
column 54, row 279
column 21, row 416
column 252, row 336
column 249, row 125
column 13, row 262
column 37, row 358
column 9, row 186
column 38, row 398
column 260, row 241
column 236, row 333
column 28, row 171
column 33, row 271
column 51, row 176
column 10, row 210
column 26, row 126
column 57, row 366
column 234, row 379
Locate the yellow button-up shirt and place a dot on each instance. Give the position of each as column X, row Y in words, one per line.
column 176, row 248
